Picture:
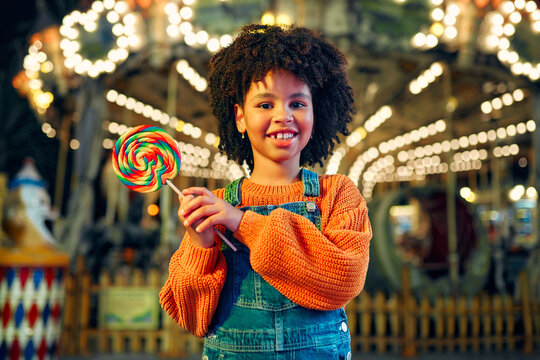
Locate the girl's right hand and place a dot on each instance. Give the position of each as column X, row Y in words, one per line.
column 205, row 238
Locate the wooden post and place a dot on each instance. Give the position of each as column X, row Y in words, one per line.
column 69, row 336
column 510, row 322
column 475, row 323
column 425, row 315
column 450, row 319
column 393, row 317
column 85, row 313
column 366, row 311
column 380, row 322
column 352, row 316
column 528, row 345
column 409, row 348
column 438, row 315
column 463, row 322
column 487, row 328
column 153, row 280
column 497, row 311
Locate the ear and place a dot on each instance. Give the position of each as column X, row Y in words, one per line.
column 239, row 117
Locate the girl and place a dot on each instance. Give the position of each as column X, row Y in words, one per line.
column 282, row 99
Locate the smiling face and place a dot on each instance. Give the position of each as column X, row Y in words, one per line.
column 277, row 116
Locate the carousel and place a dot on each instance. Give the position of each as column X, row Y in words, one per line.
column 443, row 146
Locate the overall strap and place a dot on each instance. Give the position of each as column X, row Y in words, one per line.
column 310, row 182
column 232, row 192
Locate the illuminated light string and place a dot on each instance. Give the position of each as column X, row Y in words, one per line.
column 371, row 154
column 426, row 78
column 36, row 63
column 197, row 81
column 180, row 14
column 502, row 27
column 444, row 27
column 384, row 169
column 499, row 102
column 465, row 161
column 125, row 28
column 357, row 135
column 162, row 117
column 393, row 144
column 383, row 114
column 482, row 137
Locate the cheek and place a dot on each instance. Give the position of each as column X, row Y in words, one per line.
column 308, row 124
column 307, row 130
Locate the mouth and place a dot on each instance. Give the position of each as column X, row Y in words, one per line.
column 286, row 135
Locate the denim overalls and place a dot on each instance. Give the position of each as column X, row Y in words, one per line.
column 254, row 320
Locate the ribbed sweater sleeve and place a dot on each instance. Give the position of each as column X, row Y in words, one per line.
column 191, row 293
column 320, row 270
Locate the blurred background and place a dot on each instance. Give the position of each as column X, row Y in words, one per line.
column 443, row 146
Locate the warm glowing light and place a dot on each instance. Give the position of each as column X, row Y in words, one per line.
column 153, row 209
column 268, row 19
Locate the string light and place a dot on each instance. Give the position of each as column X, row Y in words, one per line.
column 383, row 114
column 157, row 115
column 507, row 99
column 124, row 27
column 502, row 27
column 419, row 165
column 427, row 77
column 180, row 14
column 197, row 81
column 444, row 16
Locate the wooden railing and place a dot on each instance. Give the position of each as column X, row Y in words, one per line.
column 81, row 337
column 403, row 324
column 398, row 323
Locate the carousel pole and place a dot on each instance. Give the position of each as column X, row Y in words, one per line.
column 61, row 163
column 496, row 167
column 535, row 169
column 453, row 258
column 165, row 194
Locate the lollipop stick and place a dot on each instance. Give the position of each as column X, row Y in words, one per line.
column 225, row 239
column 169, row 182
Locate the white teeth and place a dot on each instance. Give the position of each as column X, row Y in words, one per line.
column 282, row 136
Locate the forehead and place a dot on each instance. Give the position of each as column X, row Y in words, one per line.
column 282, row 81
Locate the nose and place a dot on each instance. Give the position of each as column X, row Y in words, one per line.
column 283, row 114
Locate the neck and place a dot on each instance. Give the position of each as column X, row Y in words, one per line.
column 272, row 173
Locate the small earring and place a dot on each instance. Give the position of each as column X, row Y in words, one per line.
column 243, row 135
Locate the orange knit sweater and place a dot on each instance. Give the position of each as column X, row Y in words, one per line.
column 316, row 269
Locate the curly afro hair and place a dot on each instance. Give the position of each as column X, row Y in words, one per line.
column 259, row 49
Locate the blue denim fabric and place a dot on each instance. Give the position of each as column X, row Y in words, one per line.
column 254, row 320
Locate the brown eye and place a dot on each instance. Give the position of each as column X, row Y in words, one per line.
column 297, row 105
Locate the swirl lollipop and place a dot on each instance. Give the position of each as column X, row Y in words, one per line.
column 145, row 158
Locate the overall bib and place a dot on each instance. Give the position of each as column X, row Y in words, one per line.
column 254, row 320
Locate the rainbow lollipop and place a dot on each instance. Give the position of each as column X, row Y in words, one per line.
column 145, row 158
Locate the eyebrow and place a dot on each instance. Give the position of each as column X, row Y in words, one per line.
column 270, row 95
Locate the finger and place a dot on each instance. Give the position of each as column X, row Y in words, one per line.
column 197, row 191
column 195, row 203
column 200, row 213
column 185, row 201
column 207, row 224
